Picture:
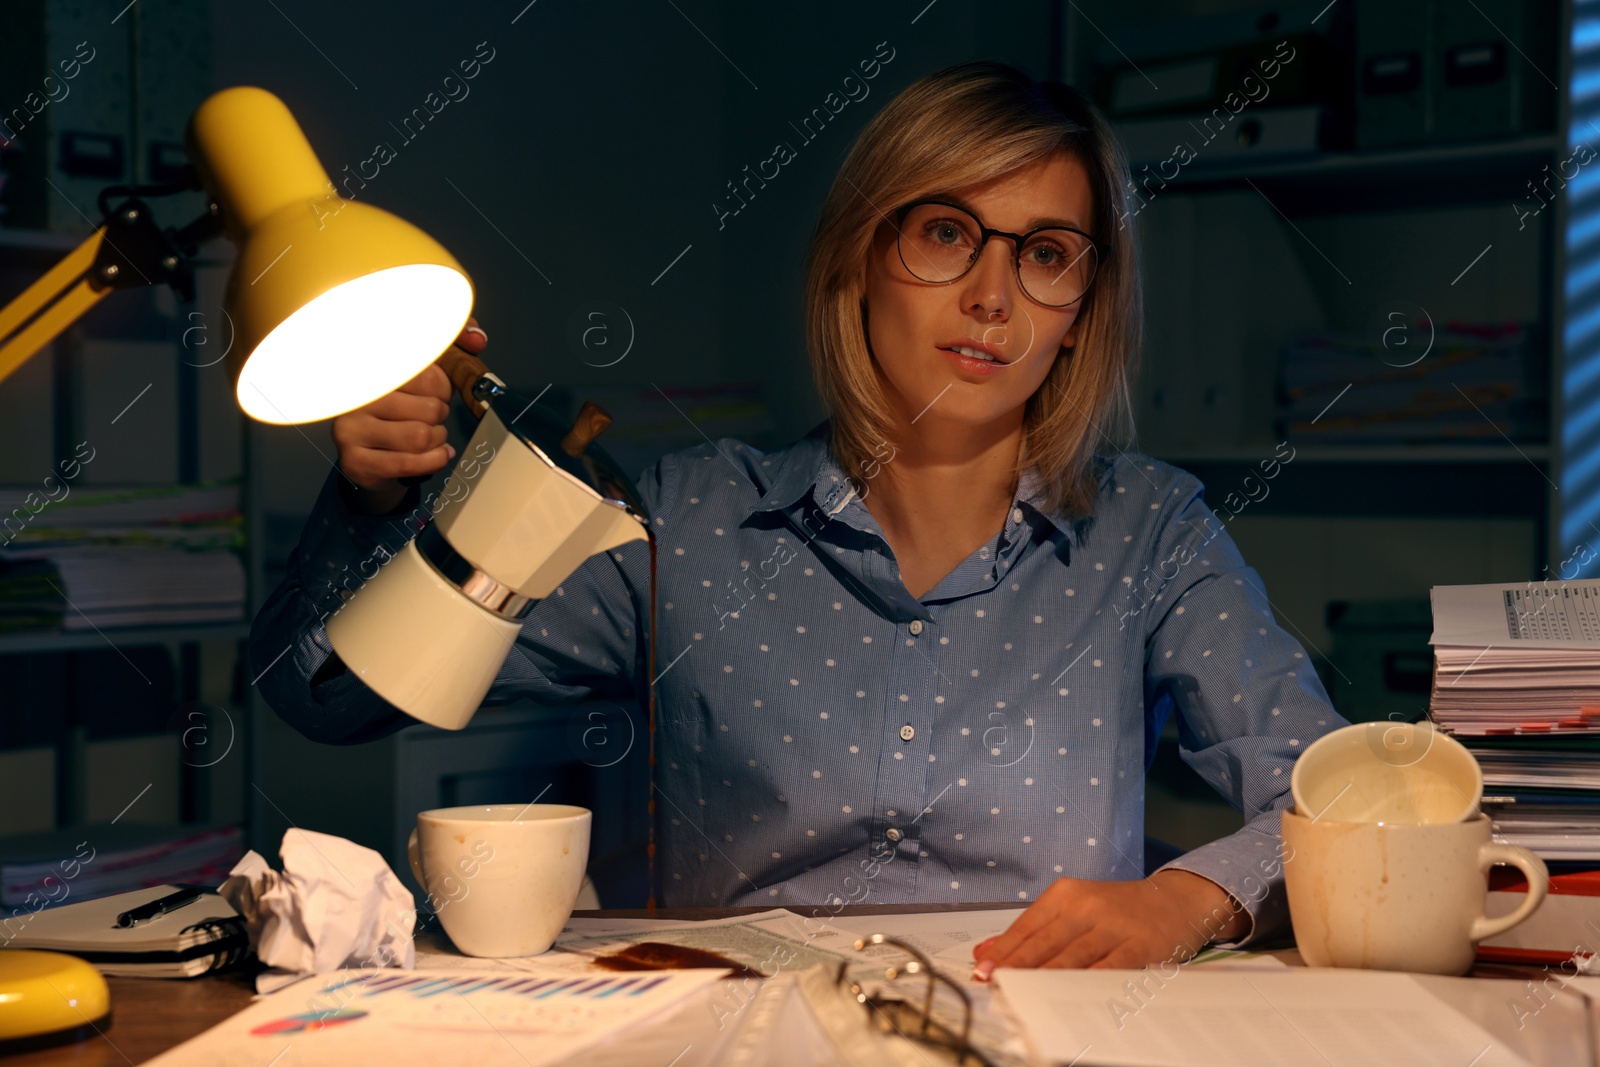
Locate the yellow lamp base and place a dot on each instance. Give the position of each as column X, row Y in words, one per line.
column 47, row 998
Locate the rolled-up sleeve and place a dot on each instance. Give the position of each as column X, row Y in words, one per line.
column 1244, row 695
column 587, row 639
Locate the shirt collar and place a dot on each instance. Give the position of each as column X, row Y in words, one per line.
column 809, row 466
column 806, row 465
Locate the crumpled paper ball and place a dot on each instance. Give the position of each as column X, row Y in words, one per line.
column 335, row 904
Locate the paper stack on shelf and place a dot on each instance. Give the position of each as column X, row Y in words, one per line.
column 1456, row 383
column 1517, row 680
column 29, row 595
column 101, row 557
column 85, row 862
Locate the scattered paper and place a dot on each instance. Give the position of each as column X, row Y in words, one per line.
column 745, row 939
column 1229, row 959
column 335, row 904
column 382, row 1018
column 946, row 937
column 1297, row 1016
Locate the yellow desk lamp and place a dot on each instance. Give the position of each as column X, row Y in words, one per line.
column 331, row 311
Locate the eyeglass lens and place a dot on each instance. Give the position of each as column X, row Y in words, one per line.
column 940, row 243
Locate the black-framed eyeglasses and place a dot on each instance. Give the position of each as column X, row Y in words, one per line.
column 940, row 241
column 915, row 1022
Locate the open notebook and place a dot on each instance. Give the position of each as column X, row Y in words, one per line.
column 204, row 936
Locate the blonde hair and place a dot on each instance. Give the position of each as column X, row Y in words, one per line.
column 958, row 127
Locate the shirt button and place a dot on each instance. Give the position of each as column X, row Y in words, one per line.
column 907, row 732
column 1016, row 514
column 916, row 626
column 892, row 834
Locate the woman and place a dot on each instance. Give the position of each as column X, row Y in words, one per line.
column 924, row 653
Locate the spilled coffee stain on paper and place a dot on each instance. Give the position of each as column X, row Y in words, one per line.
column 659, row 956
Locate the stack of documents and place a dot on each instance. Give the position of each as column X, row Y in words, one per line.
column 30, row 594
column 1517, row 679
column 1477, row 384
column 1517, row 659
column 51, row 867
column 101, row 557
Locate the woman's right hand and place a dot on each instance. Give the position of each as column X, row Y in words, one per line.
column 400, row 434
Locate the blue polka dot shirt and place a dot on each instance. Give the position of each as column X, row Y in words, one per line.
column 824, row 737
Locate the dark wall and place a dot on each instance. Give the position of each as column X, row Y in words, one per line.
column 801, row 53
column 588, row 154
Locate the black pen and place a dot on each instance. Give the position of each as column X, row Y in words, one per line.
column 161, row 905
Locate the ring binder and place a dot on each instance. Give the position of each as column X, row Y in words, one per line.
column 229, row 940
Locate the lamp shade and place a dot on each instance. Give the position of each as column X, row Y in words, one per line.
column 333, row 302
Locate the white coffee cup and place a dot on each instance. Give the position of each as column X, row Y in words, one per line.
column 1399, row 896
column 1387, row 772
column 503, row 878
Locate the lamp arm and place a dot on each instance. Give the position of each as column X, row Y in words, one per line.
column 188, row 181
column 127, row 251
column 137, row 252
column 51, row 304
column 207, row 226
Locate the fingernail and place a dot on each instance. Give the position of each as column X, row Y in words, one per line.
column 451, row 449
column 983, row 970
column 479, row 331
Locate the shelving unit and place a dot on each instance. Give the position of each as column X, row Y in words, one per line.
column 206, row 793
column 131, row 636
column 1407, row 188
column 1412, row 161
column 1239, row 253
column 1331, row 182
column 1373, row 454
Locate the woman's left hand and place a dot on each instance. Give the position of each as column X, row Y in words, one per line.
column 1167, row 917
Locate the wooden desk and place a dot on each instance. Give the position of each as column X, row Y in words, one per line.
column 151, row 1015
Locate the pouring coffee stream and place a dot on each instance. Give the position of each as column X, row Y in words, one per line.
column 540, row 497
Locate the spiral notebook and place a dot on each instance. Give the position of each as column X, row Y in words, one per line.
column 206, row 935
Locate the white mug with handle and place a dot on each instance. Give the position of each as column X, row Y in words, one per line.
column 1398, row 896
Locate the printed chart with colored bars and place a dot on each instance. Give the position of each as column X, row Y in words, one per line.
column 387, row 1017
